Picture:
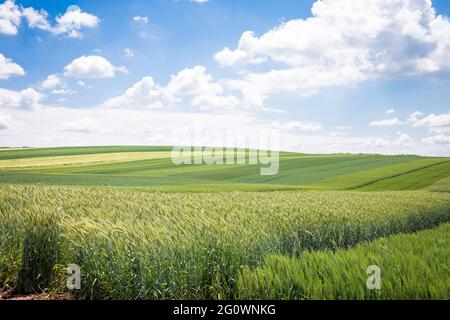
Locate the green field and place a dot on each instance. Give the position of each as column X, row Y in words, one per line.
column 141, row 227
column 413, row 266
column 151, row 167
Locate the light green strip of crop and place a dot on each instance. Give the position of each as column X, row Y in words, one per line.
column 364, row 178
column 81, row 159
column 20, row 153
column 14, row 149
column 413, row 266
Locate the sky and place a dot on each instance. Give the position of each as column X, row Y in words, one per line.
column 331, row 76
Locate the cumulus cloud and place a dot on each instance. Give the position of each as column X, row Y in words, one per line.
column 37, row 19
column 192, row 87
column 9, row 68
column 438, row 139
column 55, row 85
column 10, row 17
column 386, row 123
column 199, row 1
column 403, row 139
column 393, row 38
column 53, row 81
column 143, row 94
column 69, row 24
column 26, row 99
column 430, row 121
column 92, row 67
column 414, row 117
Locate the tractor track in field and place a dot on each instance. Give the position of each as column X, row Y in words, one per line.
column 397, row 175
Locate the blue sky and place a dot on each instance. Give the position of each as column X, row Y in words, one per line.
column 325, row 79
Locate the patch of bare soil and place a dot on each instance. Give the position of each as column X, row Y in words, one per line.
column 9, row 295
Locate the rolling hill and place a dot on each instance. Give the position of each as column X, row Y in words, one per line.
column 152, row 167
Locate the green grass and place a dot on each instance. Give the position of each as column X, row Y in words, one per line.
column 110, row 166
column 367, row 178
column 414, row 180
column 414, row 266
column 138, row 244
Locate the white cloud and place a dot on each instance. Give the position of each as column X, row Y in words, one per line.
column 215, row 102
column 144, row 126
column 393, row 38
column 430, row 121
column 398, row 143
column 121, row 69
column 143, row 94
column 142, row 19
column 53, row 81
column 9, row 68
column 56, row 86
column 438, row 139
column 70, row 23
column 199, row 1
column 403, row 139
column 390, row 111
column 243, row 54
column 190, row 87
column 37, row 19
column 129, row 52
column 10, row 17
column 413, row 117
column 386, row 123
column 92, row 67
column 196, row 83
column 26, row 99
column 5, row 121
